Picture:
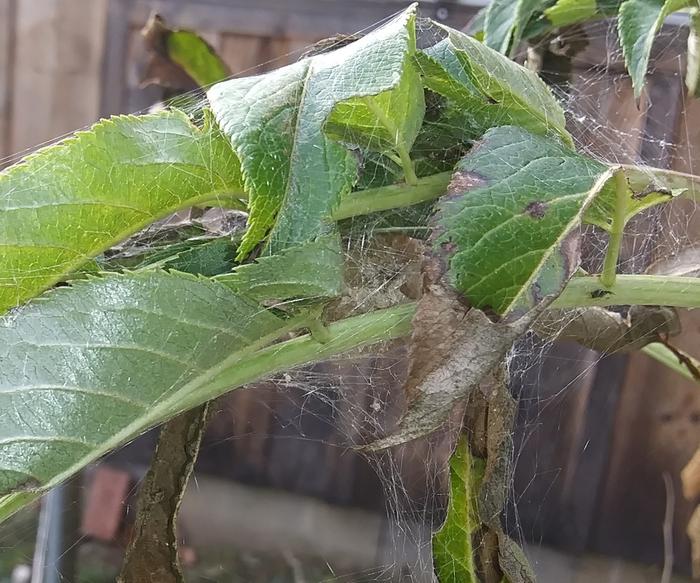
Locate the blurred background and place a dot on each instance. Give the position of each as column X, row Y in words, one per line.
column 601, row 442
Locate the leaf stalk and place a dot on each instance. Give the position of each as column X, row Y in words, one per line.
column 617, row 231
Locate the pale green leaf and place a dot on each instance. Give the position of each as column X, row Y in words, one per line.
column 69, row 202
column 295, row 173
column 196, row 57
column 508, row 224
column 388, row 122
column 638, row 23
column 453, row 553
column 567, row 12
column 311, row 271
column 602, row 209
column 492, row 88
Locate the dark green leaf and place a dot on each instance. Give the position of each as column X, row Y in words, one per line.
column 638, row 23
column 69, row 202
column 310, row 271
column 293, row 172
column 490, row 88
column 92, row 365
column 508, row 224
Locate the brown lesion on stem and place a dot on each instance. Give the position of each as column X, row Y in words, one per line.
column 152, row 554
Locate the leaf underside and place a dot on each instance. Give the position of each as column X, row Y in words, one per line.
column 92, row 365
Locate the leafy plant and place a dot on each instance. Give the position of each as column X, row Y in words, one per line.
column 638, row 23
column 92, row 358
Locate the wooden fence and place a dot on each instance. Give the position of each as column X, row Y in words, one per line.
column 595, row 436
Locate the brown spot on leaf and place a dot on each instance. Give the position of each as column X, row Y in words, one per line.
column 536, row 209
column 464, row 181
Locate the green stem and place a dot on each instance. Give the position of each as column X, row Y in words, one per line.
column 372, row 200
column 399, row 145
column 617, row 230
column 342, row 336
column 643, row 290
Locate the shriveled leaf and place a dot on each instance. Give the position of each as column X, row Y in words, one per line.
column 508, row 225
column 492, row 88
column 692, row 74
column 295, row 173
column 92, row 365
column 69, row 202
column 566, row 12
column 505, row 23
column 313, row 270
column 638, row 23
column 609, row 332
column 453, row 553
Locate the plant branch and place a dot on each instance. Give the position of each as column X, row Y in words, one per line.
column 665, row 355
column 152, row 553
column 617, row 231
column 642, row 290
column 372, row 200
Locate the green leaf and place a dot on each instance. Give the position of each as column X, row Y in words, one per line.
column 88, row 367
column 638, row 23
column 388, row 122
column 494, row 89
column 692, row 74
column 567, row 12
column 310, row 271
column 453, row 554
column 92, row 365
column 295, row 173
column 508, row 223
column 602, row 209
column 206, row 257
column 505, row 22
column 196, row 57
column 69, row 202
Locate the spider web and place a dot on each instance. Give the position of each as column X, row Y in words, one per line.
column 330, row 408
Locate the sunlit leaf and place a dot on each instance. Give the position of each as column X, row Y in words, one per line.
column 566, row 12
column 69, row 202
column 295, row 173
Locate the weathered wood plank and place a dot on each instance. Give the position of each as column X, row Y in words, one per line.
column 7, row 41
column 292, row 18
column 57, row 69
